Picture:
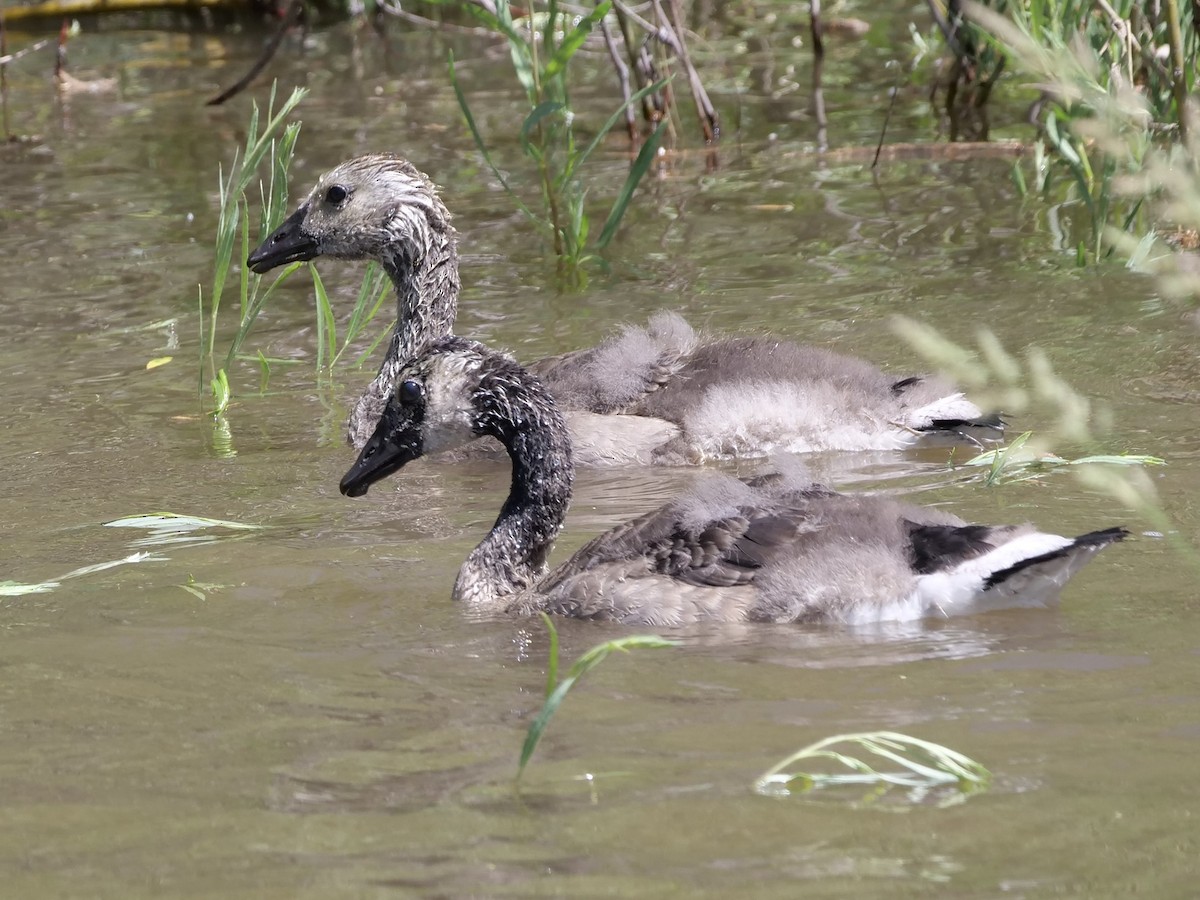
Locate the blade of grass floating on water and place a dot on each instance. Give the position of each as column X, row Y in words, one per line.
column 16, row 589
column 922, row 765
column 158, row 361
column 179, row 522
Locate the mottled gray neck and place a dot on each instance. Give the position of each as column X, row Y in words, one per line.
column 423, row 265
column 512, row 558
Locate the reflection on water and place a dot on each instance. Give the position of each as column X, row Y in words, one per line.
column 318, row 719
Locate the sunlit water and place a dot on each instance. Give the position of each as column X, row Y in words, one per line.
column 301, row 711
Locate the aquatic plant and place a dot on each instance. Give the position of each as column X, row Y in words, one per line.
column 927, row 771
column 557, row 690
column 275, row 146
column 1018, row 462
column 234, row 223
column 1097, row 67
column 541, row 57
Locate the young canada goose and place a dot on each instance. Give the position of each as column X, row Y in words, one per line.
column 765, row 550
column 666, row 394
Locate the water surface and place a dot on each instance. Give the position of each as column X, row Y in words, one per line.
column 324, row 722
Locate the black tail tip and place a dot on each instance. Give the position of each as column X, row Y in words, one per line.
column 1102, row 538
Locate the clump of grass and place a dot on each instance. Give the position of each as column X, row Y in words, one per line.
column 273, row 146
column 928, row 771
column 1108, row 104
column 541, row 57
column 233, row 233
column 557, row 690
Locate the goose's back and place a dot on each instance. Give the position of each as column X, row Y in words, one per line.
column 764, row 551
column 744, row 396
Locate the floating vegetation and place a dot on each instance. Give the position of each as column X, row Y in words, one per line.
column 17, row 589
column 557, row 690
column 929, row 773
column 166, row 528
column 1016, row 462
column 200, row 589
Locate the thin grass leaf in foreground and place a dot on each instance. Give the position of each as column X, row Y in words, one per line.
column 1016, row 462
column 588, row 661
column 17, row 589
column 884, row 760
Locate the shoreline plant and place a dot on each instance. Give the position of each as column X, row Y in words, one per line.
column 541, row 58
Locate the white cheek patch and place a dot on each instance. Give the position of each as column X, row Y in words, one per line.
column 448, row 408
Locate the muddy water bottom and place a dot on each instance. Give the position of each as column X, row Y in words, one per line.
column 300, row 711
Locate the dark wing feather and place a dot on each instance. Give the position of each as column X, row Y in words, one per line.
column 933, row 548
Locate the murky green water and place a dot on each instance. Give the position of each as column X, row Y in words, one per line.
column 325, row 723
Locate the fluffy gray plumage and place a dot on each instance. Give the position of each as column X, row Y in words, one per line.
column 665, row 393
column 771, row 549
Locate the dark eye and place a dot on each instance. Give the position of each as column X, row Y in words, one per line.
column 336, row 195
column 410, row 393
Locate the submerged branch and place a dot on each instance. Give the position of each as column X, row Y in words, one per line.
column 290, row 17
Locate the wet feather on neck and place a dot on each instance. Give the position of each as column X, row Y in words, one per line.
column 512, row 558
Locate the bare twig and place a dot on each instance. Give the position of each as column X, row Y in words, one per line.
column 60, row 52
column 814, row 22
column 290, row 17
column 887, row 118
column 623, row 76
column 394, row 9
column 639, row 62
column 948, row 29
column 710, row 123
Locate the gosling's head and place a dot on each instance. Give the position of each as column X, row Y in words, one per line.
column 455, row 391
column 438, row 404
column 376, row 207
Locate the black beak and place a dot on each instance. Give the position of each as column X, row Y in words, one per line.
column 387, row 451
column 287, row 243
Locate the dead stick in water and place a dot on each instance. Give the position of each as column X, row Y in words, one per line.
column 814, row 21
column 623, row 76
column 289, row 18
column 710, row 123
column 887, row 118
